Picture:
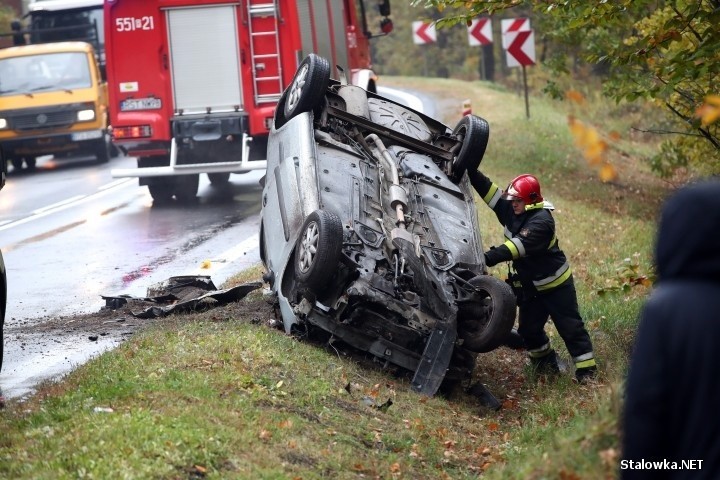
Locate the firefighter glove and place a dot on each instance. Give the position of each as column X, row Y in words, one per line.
column 492, row 257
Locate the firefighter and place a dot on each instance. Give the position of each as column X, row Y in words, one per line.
column 542, row 281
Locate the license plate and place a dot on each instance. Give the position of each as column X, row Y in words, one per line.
column 91, row 135
column 131, row 104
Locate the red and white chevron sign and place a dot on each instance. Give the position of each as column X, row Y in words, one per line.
column 513, row 25
column 480, row 32
column 521, row 49
column 423, row 32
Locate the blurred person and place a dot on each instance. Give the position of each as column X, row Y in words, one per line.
column 543, row 282
column 673, row 387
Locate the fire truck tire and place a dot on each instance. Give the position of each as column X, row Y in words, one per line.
column 161, row 189
column 220, row 178
column 186, row 187
column 474, row 132
column 102, row 150
column 30, row 163
column 308, row 86
column 318, row 248
column 486, row 323
column 17, row 163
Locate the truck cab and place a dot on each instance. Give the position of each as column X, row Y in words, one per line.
column 52, row 102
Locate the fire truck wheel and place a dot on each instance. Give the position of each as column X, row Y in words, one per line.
column 485, row 323
column 218, row 179
column 17, row 163
column 186, row 187
column 308, row 86
column 474, row 133
column 161, row 188
column 318, row 248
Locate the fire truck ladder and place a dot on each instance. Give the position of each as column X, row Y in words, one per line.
column 264, row 37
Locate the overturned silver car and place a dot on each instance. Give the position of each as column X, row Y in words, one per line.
column 369, row 229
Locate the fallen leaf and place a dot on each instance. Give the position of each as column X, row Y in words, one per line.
column 206, row 264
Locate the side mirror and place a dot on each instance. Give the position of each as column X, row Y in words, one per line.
column 384, row 8
column 18, row 35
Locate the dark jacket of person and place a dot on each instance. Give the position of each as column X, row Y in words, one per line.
column 672, row 405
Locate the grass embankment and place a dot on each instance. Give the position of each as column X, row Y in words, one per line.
column 222, row 395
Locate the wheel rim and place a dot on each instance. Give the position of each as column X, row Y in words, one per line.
column 308, row 247
column 296, row 88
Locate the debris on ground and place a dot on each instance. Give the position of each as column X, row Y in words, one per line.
column 188, row 293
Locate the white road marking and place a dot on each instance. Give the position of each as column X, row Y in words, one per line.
column 65, row 204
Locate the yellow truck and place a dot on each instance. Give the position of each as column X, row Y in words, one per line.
column 52, row 102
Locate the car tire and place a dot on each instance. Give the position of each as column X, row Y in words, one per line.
column 474, row 133
column 395, row 117
column 318, row 248
column 308, row 86
column 17, row 163
column 488, row 323
column 219, row 179
column 31, row 163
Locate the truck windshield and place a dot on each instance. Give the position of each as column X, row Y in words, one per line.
column 84, row 24
column 46, row 72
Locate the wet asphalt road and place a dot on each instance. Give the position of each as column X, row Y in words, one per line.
column 70, row 233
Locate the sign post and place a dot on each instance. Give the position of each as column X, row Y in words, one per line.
column 520, row 52
column 480, row 34
column 424, row 33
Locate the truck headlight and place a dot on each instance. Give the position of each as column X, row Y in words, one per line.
column 3, row 124
column 85, row 115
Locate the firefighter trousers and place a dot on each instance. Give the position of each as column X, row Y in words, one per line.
column 561, row 305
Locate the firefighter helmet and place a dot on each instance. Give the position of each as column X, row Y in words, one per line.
column 524, row 187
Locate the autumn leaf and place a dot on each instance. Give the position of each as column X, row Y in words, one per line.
column 395, row 468
column 575, row 96
column 709, row 112
column 607, row 173
column 206, row 264
column 264, row 435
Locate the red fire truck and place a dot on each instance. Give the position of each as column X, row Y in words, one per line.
column 193, row 84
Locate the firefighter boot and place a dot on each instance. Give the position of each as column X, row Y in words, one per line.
column 586, row 374
column 545, row 365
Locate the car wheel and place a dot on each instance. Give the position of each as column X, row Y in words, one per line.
column 102, row 150
column 221, row 178
column 31, row 162
column 308, row 86
column 488, row 321
column 400, row 119
column 474, row 133
column 317, row 252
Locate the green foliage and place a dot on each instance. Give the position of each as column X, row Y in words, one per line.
column 628, row 275
column 667, row 52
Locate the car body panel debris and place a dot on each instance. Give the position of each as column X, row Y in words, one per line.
column 179, row 295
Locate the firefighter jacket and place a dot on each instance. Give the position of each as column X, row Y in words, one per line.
column 530, row 240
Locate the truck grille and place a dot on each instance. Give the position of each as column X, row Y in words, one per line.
column 44, row 117
column 43, row 120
